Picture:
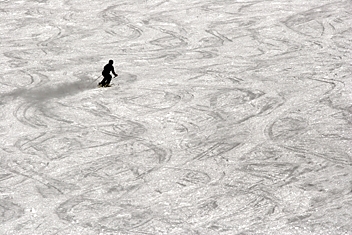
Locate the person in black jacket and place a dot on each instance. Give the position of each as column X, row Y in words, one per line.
column 106, row 74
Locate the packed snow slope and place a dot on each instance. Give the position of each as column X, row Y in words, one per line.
column 227, row 117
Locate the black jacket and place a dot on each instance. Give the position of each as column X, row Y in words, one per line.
column 107, row 69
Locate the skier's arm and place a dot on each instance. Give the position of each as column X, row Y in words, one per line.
column 113, row 71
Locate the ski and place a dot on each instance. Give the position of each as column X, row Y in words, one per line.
column 110, row 85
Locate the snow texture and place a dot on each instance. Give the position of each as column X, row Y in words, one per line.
column 227, row 117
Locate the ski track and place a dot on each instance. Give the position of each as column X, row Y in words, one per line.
column 227, row 117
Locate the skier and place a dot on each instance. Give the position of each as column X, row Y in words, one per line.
column 106, row 74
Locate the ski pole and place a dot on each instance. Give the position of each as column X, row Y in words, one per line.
column 94, row 81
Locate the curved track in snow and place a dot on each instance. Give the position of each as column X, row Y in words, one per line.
column 227, row 117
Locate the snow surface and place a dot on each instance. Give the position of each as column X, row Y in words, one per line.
column 227, row 117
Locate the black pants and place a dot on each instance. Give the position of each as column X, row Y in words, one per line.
column 106, row 81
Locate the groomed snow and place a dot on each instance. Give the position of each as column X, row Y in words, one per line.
column 227, row 117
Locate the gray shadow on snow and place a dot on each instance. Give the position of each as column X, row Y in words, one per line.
column 47, row 92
